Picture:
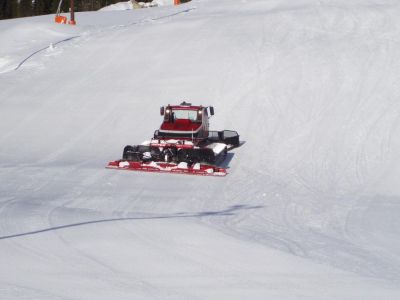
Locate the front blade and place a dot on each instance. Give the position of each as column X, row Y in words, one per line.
column 162, row 167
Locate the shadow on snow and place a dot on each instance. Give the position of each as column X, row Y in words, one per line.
column 226, row 212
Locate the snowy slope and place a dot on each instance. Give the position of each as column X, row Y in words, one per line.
column 310, row 209
column 128, row 5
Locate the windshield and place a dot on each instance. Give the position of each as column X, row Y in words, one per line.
column 185, row 114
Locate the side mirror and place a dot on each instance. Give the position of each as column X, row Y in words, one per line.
column 212, row 110
column 162, row 110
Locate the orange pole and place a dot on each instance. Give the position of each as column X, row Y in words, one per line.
column 177, row 2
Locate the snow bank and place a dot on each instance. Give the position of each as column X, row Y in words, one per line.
column 164, row 2
column 118, row 6
column 128, row 5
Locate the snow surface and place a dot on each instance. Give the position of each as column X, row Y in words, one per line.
column 127, row 5
column 311, row 207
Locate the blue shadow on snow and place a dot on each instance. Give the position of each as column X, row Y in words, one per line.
column 226, row 212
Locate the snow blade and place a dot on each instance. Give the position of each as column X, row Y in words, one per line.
column 163, row 167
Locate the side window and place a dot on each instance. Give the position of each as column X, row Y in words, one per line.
column 168, row 115
column 200, row 113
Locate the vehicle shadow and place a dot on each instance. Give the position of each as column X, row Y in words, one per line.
column 229, row 156
column 225, row 163
column 232, row 210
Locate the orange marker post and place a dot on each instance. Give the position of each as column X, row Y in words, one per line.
column 60, row 19
column 63, row 20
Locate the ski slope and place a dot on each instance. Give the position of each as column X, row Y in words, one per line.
column 310, row 208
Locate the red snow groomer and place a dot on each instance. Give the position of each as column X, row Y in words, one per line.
column 183, row 144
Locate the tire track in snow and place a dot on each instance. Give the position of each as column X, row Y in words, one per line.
column 20, row 245
column 233, row 225
column 21, row 63
column 301, row 236
column 18, row 291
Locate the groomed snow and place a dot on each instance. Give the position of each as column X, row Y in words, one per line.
column 125, row 5
column 128, row 5
column 310, row 208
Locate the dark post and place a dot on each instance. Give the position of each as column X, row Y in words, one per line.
column 72, row 21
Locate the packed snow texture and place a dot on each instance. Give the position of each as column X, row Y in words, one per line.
column 310, row 208
column 128, row 5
